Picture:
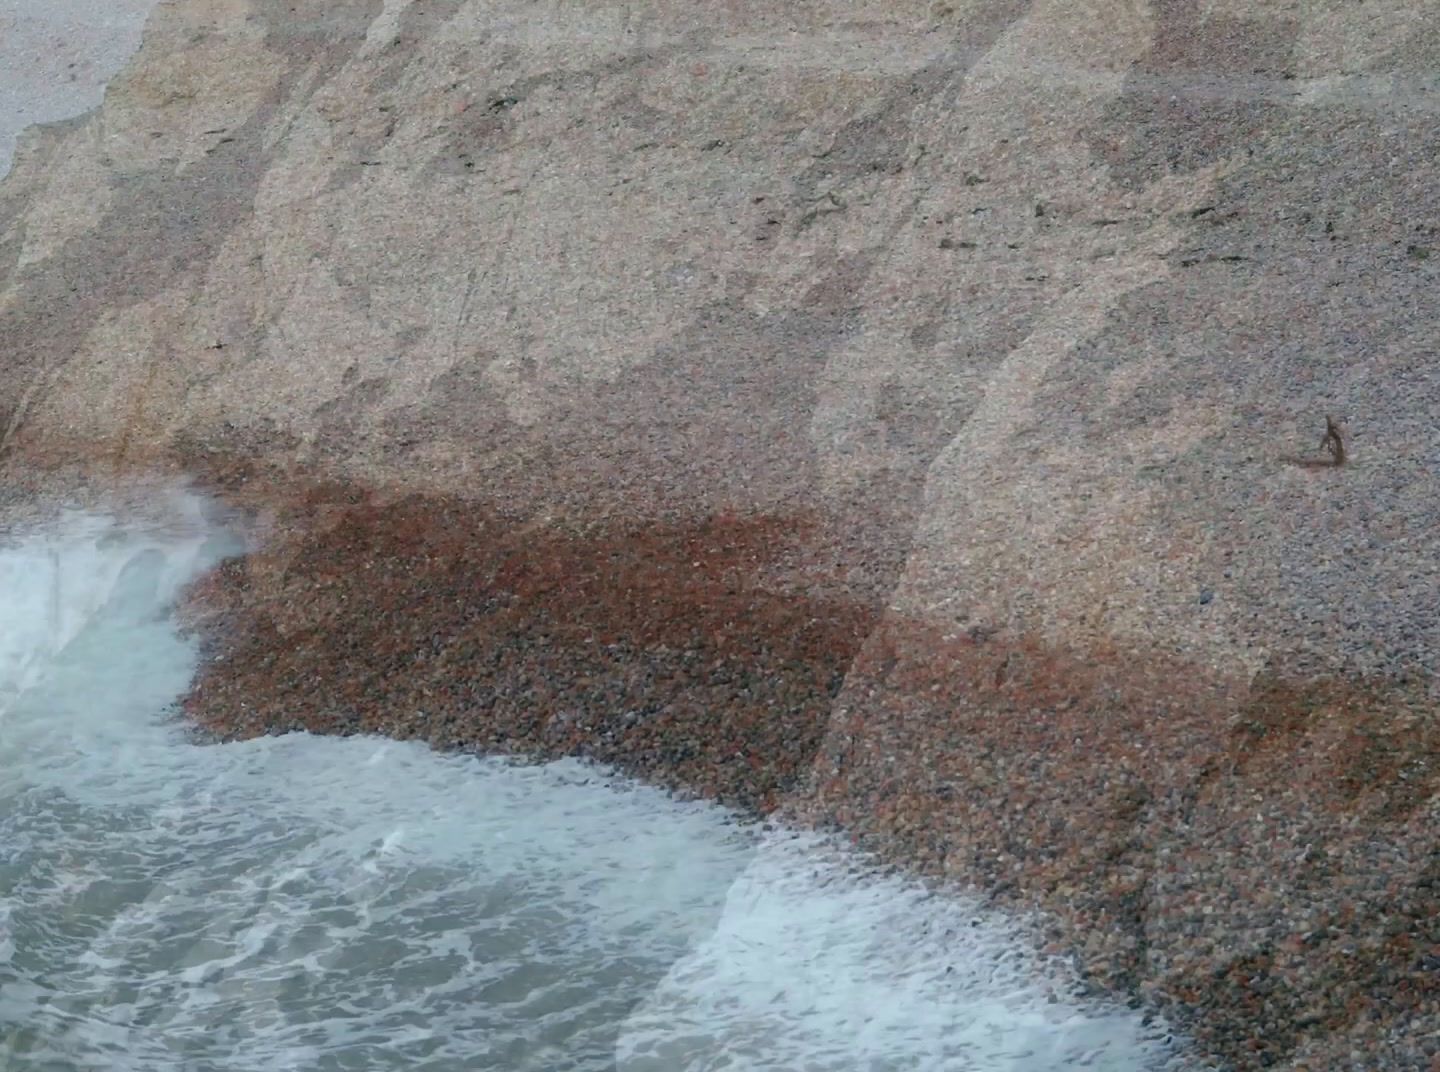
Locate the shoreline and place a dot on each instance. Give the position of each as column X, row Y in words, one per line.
column 1268, row 939
column 521, row 865
column 886, row 430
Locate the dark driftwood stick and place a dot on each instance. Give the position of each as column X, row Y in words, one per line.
column 1334, row 442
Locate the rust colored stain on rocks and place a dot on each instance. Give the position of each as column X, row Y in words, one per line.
column 658, row 646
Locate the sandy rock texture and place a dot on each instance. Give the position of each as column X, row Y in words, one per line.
column 903, row 416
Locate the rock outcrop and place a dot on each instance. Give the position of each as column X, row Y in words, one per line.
column 894, row 414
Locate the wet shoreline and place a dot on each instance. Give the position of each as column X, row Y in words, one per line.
column 1249, row 859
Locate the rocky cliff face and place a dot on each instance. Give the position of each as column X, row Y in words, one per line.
column 902, row 415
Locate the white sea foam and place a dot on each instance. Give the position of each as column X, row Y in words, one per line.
column 312, row 903
column 819, row 962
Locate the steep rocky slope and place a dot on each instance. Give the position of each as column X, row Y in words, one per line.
column 900, row 415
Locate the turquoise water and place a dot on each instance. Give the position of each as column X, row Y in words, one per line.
column 314, row 903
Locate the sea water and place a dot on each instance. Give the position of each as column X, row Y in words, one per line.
column 301, row 902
